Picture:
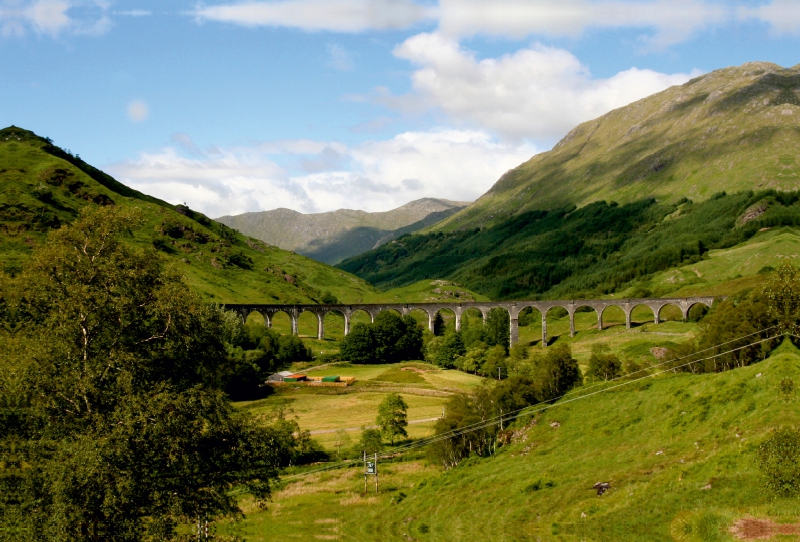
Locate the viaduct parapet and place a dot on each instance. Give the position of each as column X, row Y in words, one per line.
column 513, row 308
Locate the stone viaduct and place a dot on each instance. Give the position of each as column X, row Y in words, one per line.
column 514, row 308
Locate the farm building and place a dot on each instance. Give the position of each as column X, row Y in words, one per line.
column 280, row 377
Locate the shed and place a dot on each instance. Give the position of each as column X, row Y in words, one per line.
column 330, row 379
column 279, row 377
column 294, row 378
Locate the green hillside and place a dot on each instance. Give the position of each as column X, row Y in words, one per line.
column 599, row 249
column 678, row 451
column 332, row 237
column 733, row 129
column 621, row 199
column 45, row 187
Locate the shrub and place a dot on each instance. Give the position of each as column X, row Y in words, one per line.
column 779, row 461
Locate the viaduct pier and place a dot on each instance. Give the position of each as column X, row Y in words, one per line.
column 513, row 308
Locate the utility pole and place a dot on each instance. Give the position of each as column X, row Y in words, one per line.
column 376, row 473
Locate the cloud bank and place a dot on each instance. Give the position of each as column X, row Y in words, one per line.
column 53, row 17
column 324, row 176
column 539, row 92
column 332, row 15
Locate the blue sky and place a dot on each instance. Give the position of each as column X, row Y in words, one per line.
column 316, row 105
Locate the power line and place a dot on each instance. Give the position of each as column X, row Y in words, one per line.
column 538, row 408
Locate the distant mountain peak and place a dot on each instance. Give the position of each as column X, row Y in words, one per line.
column 333, row 236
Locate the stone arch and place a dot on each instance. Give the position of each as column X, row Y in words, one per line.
column 421, row 315
column 529, row 321
column 311, row 327
column 613, row 313
column 691, row 305
column 449, row 315
column 638, row 313
column 673, row 309
column 334, row 323
column 256, row 317
column 581, row 307
column 278, row 321
column 361, row 316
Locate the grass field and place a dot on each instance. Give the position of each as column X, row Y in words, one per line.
column 678, row 451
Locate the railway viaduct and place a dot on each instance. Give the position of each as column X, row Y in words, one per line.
column 514, row 308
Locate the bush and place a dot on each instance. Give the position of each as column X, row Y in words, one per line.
column 555, row 373
column 451, row 348
column 603, row 365
column 779, row 461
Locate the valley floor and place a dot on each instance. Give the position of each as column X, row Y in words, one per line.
column 678, row 451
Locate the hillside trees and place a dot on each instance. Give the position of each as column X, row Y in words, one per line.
column 124, row 367
column 576, row 252
column 255, row 352
column 391, row 338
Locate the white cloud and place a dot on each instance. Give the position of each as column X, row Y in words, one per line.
column 340, row 58
column 53, row 17
column 782, row 15
column 138, row 111
column 333, row 15
column 374, row 176
column 134, row 13
column 672, row 20
column 538, row 92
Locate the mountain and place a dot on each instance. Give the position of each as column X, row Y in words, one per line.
column 654, row 185
column 334, row 236
column 44, row 187
column 733, row 129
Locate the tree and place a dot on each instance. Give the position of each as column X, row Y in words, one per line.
column 359, row 345
column 391, row 338
column 125, row 367
column 392, row 417
column 438, row 324
column 603, row 365
column 342, row 439
column 556, row 372
column 371, row 442
column 498, row 328
column 779, row 460
column 328, row 298
column 495, row 365
column 783, row 295
column 452, row 347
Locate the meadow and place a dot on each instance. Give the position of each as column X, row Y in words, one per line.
column 678, row 451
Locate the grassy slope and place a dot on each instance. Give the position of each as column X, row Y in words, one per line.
column 677, row 449
column 42, row 190
column 733, row 129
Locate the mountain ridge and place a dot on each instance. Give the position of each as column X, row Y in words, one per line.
column 336, row 235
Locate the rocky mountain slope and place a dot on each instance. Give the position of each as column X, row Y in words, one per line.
column 334, row 236
column 44, row 187
column 733, row 129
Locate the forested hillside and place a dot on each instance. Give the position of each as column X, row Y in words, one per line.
column 733, row 129
column 578, row 252
column 45, row 187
